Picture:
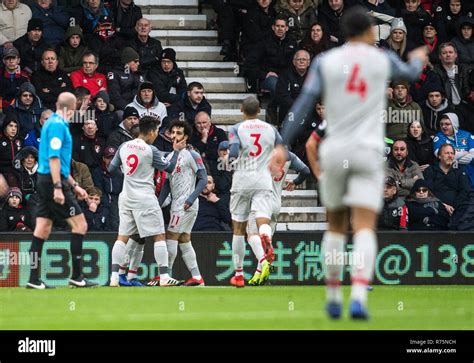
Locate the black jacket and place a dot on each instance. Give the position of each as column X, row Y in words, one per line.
column 427, row 215
column 122, row 87
column 209, row 149
column 88, row 151
column 257, row 25
column 149, row 52
column 57, row 82
column 421, row 151
column 14, row 219
column 431, row 116
column 461, row 79
column 22, row 178
column 96, row 221
column 30, row 54
column 118, row 137
column 331, row 21
column 391, row 216
column 184, row 106
column 415, row 22
column 111, row 186
column 169, row 87
column 212, row 216
column 10, row 84
column 126, row 19
column 288, row 88
column 109, row 51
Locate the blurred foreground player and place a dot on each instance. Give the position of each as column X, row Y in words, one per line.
column 55, row 187
column 139, row 210
column 353, row 79
column 251, row 145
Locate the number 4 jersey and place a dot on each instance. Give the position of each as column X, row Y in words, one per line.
column 256, row 140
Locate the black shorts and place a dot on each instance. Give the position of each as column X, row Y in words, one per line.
column 47, row 207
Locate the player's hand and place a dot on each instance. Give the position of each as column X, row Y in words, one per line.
column 420, row 53
column 278, row 160
column 177, row 146
column 290, row 185
column 58, row 196
column 81, row 194
column 186, row 206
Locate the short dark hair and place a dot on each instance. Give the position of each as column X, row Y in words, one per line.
column 147, row 124
column 95, row 55
column 444, row 146
column 447, row 44
column 184, row 124
column 356, row 22
column 195, row 85
column 80, row 92
column 280, row 17
column 49, row 49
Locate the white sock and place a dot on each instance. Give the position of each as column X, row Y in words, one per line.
column 135, row 261
column 256, row 245
column 238, row 254
column 265, row 229
column 172, row 246
column 189, row 258
column 364, row 253
column 118, row 251
column 129, row 251
column 332, row 248
column 161, row 258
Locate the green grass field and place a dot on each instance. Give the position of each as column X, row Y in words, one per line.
column 268, row 307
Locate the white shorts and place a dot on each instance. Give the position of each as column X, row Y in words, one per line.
column 252, row 227
column 242, row 202
column 146, row 223
column 352, row 179
column 182, row 221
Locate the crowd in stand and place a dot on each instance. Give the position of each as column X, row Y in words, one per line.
column 104, row 54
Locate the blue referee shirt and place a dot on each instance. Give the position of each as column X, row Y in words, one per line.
column 56, row 142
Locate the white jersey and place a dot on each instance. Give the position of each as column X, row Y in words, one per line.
column 183, row 179
column 256, row 140
column 138, row 160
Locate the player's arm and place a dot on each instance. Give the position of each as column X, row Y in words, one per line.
column 201, row 183
column 114, row 166
column 408, row 71
column 234, row 143
column 165, row 191
column 160, row 162
column 312, row 149
column 300, row 167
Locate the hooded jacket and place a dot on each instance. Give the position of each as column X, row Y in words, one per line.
column 25, row 179
column 299, row 22
column 30, row 54
column 465, row 47
column 185, row 106
column 446, row 22
column 9, row 148
column 426, row 214
column 119, row 136
column 461, row 140
column 88, row 150
column 107, row 120
column 155, row 109
column 123, row 86
column 86, row 18
column 70, row 59
column 27, row 117
column 392, row 216
column 56, row 82
column 415, row 22
column 408, row 112
column 170, row 87
column 15, row 219
column 55, row 21
column 10, row 84
column 420, row 151
column 432, row 116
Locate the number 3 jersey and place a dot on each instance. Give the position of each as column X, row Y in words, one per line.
column 256, row 140
column 138, row 160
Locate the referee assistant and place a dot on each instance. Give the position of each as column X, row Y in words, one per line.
column 55, row 188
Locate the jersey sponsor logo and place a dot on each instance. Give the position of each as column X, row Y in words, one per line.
column 97, row 149
column 463, row 141
column 55, row 143
column 100, row 82
column 436, row 139
column 110, row 75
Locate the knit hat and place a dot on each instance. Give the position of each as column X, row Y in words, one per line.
column 398, row 24
column 430, row 23
column 419, row 183
column 104, row 95
column 401, row 82
column 146, row 85
column 10, row 52
column 169, row 53
column 35, row 24
column 105, row 19
column 128, row 54
column 390, row 181
column 435, row 87
column 15, row 192
column 130, row 111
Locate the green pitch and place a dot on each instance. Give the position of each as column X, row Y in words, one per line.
column 267, row 307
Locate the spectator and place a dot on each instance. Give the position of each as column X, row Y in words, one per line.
column 454, row 78
column 83, row 112
column 88, row 13
column 88, row 77
column 33, row 137
column 392, row 216
column 290, row 83
column 25, row 173
column 464, row 42
column 106, row 43
column 398, row 41
column 125, row 79
column 11, row 77
column 206, row 138
column 330, row 14
column 222, row 174
column 50, row 81
column 194, row 103
column 402, row 168
column 88, row 147
column 110, row 186
column 126, row 15
column 447, row 18
column 257, row 25
column 72, row 50
column 316, row 40
column 13, row 217
column 401, row 110
column 300, row 14
column 31, row 46
column 420, row 145
column 431, row 40
column 436, row 104
column 10, row 144
column 95, row 213
column 26, row 108
column 168, row 79
column 425, row 211
column 14, row 18
column 214, row 213
column 125, row 131
column 55, row 20
column 147, row 104
column 107, row 120
column 81, row 174
column 415, row 19
column 148, row 48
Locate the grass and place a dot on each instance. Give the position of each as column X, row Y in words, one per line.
column 267, row 307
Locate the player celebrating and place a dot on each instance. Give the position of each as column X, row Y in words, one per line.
column 185, row 204
column 252, row 141
column 55, row 187
column 139, row 210
column 279, row 182
column 353, row 79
